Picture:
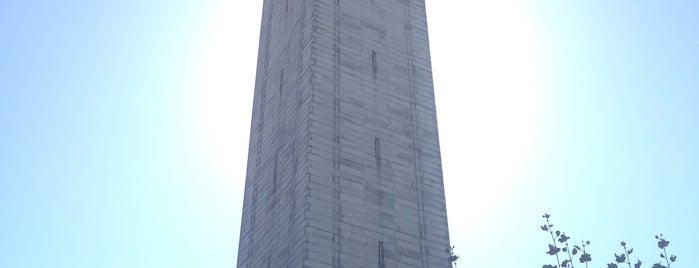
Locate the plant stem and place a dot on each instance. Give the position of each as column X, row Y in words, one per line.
column 584, row 252
column 628, row 257
column 554, row 241
column 666, row 260
column 570, row 257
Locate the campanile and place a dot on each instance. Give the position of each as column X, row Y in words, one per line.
column 344, row 165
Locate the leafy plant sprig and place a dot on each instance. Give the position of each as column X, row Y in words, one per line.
column 560, row 238
column 662, row 244
column 585, row 257
column 624, row 258
column 553, row 248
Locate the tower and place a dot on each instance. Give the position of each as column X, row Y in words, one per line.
column 344, row 165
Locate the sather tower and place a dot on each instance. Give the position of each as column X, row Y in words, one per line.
column 344, row 164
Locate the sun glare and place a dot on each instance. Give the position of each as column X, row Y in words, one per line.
column 490, row 100
column 222, row 95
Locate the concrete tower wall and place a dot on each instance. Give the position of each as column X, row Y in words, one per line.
column 344, row 167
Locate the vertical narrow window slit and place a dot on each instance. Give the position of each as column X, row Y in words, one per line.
column 382, row 264
column 374, row 66
column 377, row 151
column 274, row 176
column 281, row 84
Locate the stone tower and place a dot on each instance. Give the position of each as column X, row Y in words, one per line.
column 344, row 165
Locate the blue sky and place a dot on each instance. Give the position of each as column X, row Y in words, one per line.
column 583, row 109
column 124, row 127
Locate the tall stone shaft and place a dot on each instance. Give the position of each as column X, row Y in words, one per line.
column 344, row 165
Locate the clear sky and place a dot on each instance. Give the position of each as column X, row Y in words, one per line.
column 124, row 128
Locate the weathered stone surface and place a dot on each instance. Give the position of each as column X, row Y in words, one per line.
column 344, row 151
